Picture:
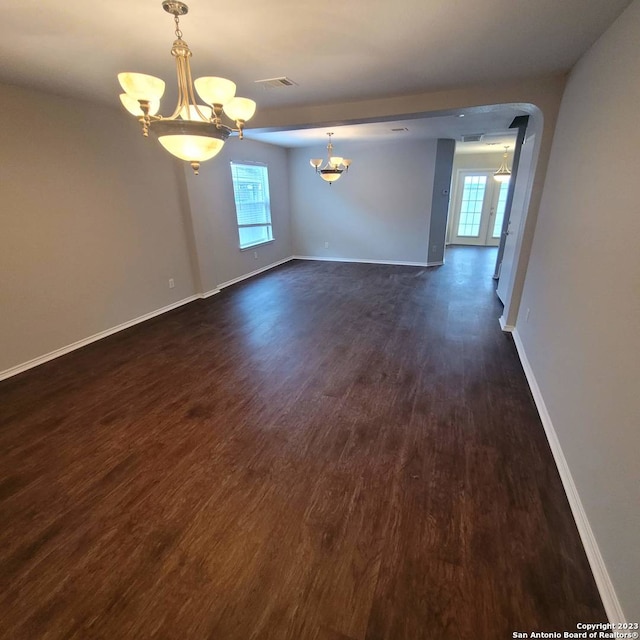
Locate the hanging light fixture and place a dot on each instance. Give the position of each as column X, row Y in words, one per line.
column 503, row 174
column 334, row 167
column 194, row 132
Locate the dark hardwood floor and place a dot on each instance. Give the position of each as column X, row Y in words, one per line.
column 329, row 451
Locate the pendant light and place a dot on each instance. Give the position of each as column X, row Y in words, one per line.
column 503, row 174
column 194, row 132
column 335, row 166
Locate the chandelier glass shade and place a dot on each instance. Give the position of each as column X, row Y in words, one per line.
column 503, row 174
column 334, row 167
column 194, row 132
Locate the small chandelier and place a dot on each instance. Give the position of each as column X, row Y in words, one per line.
column 194, row 132
column 503, row 174
column 335, row 165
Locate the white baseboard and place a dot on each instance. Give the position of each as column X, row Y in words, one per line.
column 362, row 261
column 601, row 575
column 507, row 328
column 13, row 371
column 228, row 283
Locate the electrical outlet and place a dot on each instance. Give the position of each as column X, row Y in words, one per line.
column 255, row 255
column 527, row 316
column 171, row 283
column 326, row 245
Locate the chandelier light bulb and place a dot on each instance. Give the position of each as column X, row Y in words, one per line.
column 330, row 175
column 240, row 109
column 141, row 86
column 215, row 90
column 191, row 148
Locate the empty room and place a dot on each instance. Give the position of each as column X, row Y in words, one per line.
column 319, row 322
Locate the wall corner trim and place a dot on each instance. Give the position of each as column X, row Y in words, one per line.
column 507, row 328
column 601, row 575
column 228, row 283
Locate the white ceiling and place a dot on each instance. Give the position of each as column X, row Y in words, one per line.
column 335, row 51
column 493, row 124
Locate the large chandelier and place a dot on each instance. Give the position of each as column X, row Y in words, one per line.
column 334, row 167
column 503, row 174
column 194, row 132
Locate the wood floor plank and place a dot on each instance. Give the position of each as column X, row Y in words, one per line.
column 324, row 452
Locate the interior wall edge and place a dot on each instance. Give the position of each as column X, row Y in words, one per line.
column 596, row 561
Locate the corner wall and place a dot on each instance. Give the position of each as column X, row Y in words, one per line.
column 213, row 214
column 579, row 320
column 378, row 211
column 91, row 224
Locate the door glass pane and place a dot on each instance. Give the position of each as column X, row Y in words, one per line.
column 471, row 206
column 502, row 201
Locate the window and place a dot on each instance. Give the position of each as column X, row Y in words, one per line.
column 253, row 210
column 471, row 208
column 502, row 203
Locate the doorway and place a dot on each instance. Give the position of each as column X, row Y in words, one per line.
column 478, row 208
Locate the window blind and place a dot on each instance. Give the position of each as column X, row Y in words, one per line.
column 253, row 208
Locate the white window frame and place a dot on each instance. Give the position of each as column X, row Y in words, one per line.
column 267, row 224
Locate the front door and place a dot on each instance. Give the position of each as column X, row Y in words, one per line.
column 479, row 209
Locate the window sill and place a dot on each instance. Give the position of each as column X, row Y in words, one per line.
column 259, row 244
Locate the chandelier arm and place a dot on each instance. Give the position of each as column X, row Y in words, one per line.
column 183, row 99
column 146, row 119
column 191, row 96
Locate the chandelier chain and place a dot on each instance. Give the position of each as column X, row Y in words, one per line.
column 178, row 30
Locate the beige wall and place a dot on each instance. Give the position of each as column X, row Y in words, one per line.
column 213, row 213
column 379, row 210
column 91, row 225
column 95, row 220
column 582, row 337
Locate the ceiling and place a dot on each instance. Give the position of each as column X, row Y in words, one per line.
column 345, row 51
column 492, row 124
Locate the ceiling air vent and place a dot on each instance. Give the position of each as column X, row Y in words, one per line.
column 277, row 83
column 472, row 137
column 400, row 129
